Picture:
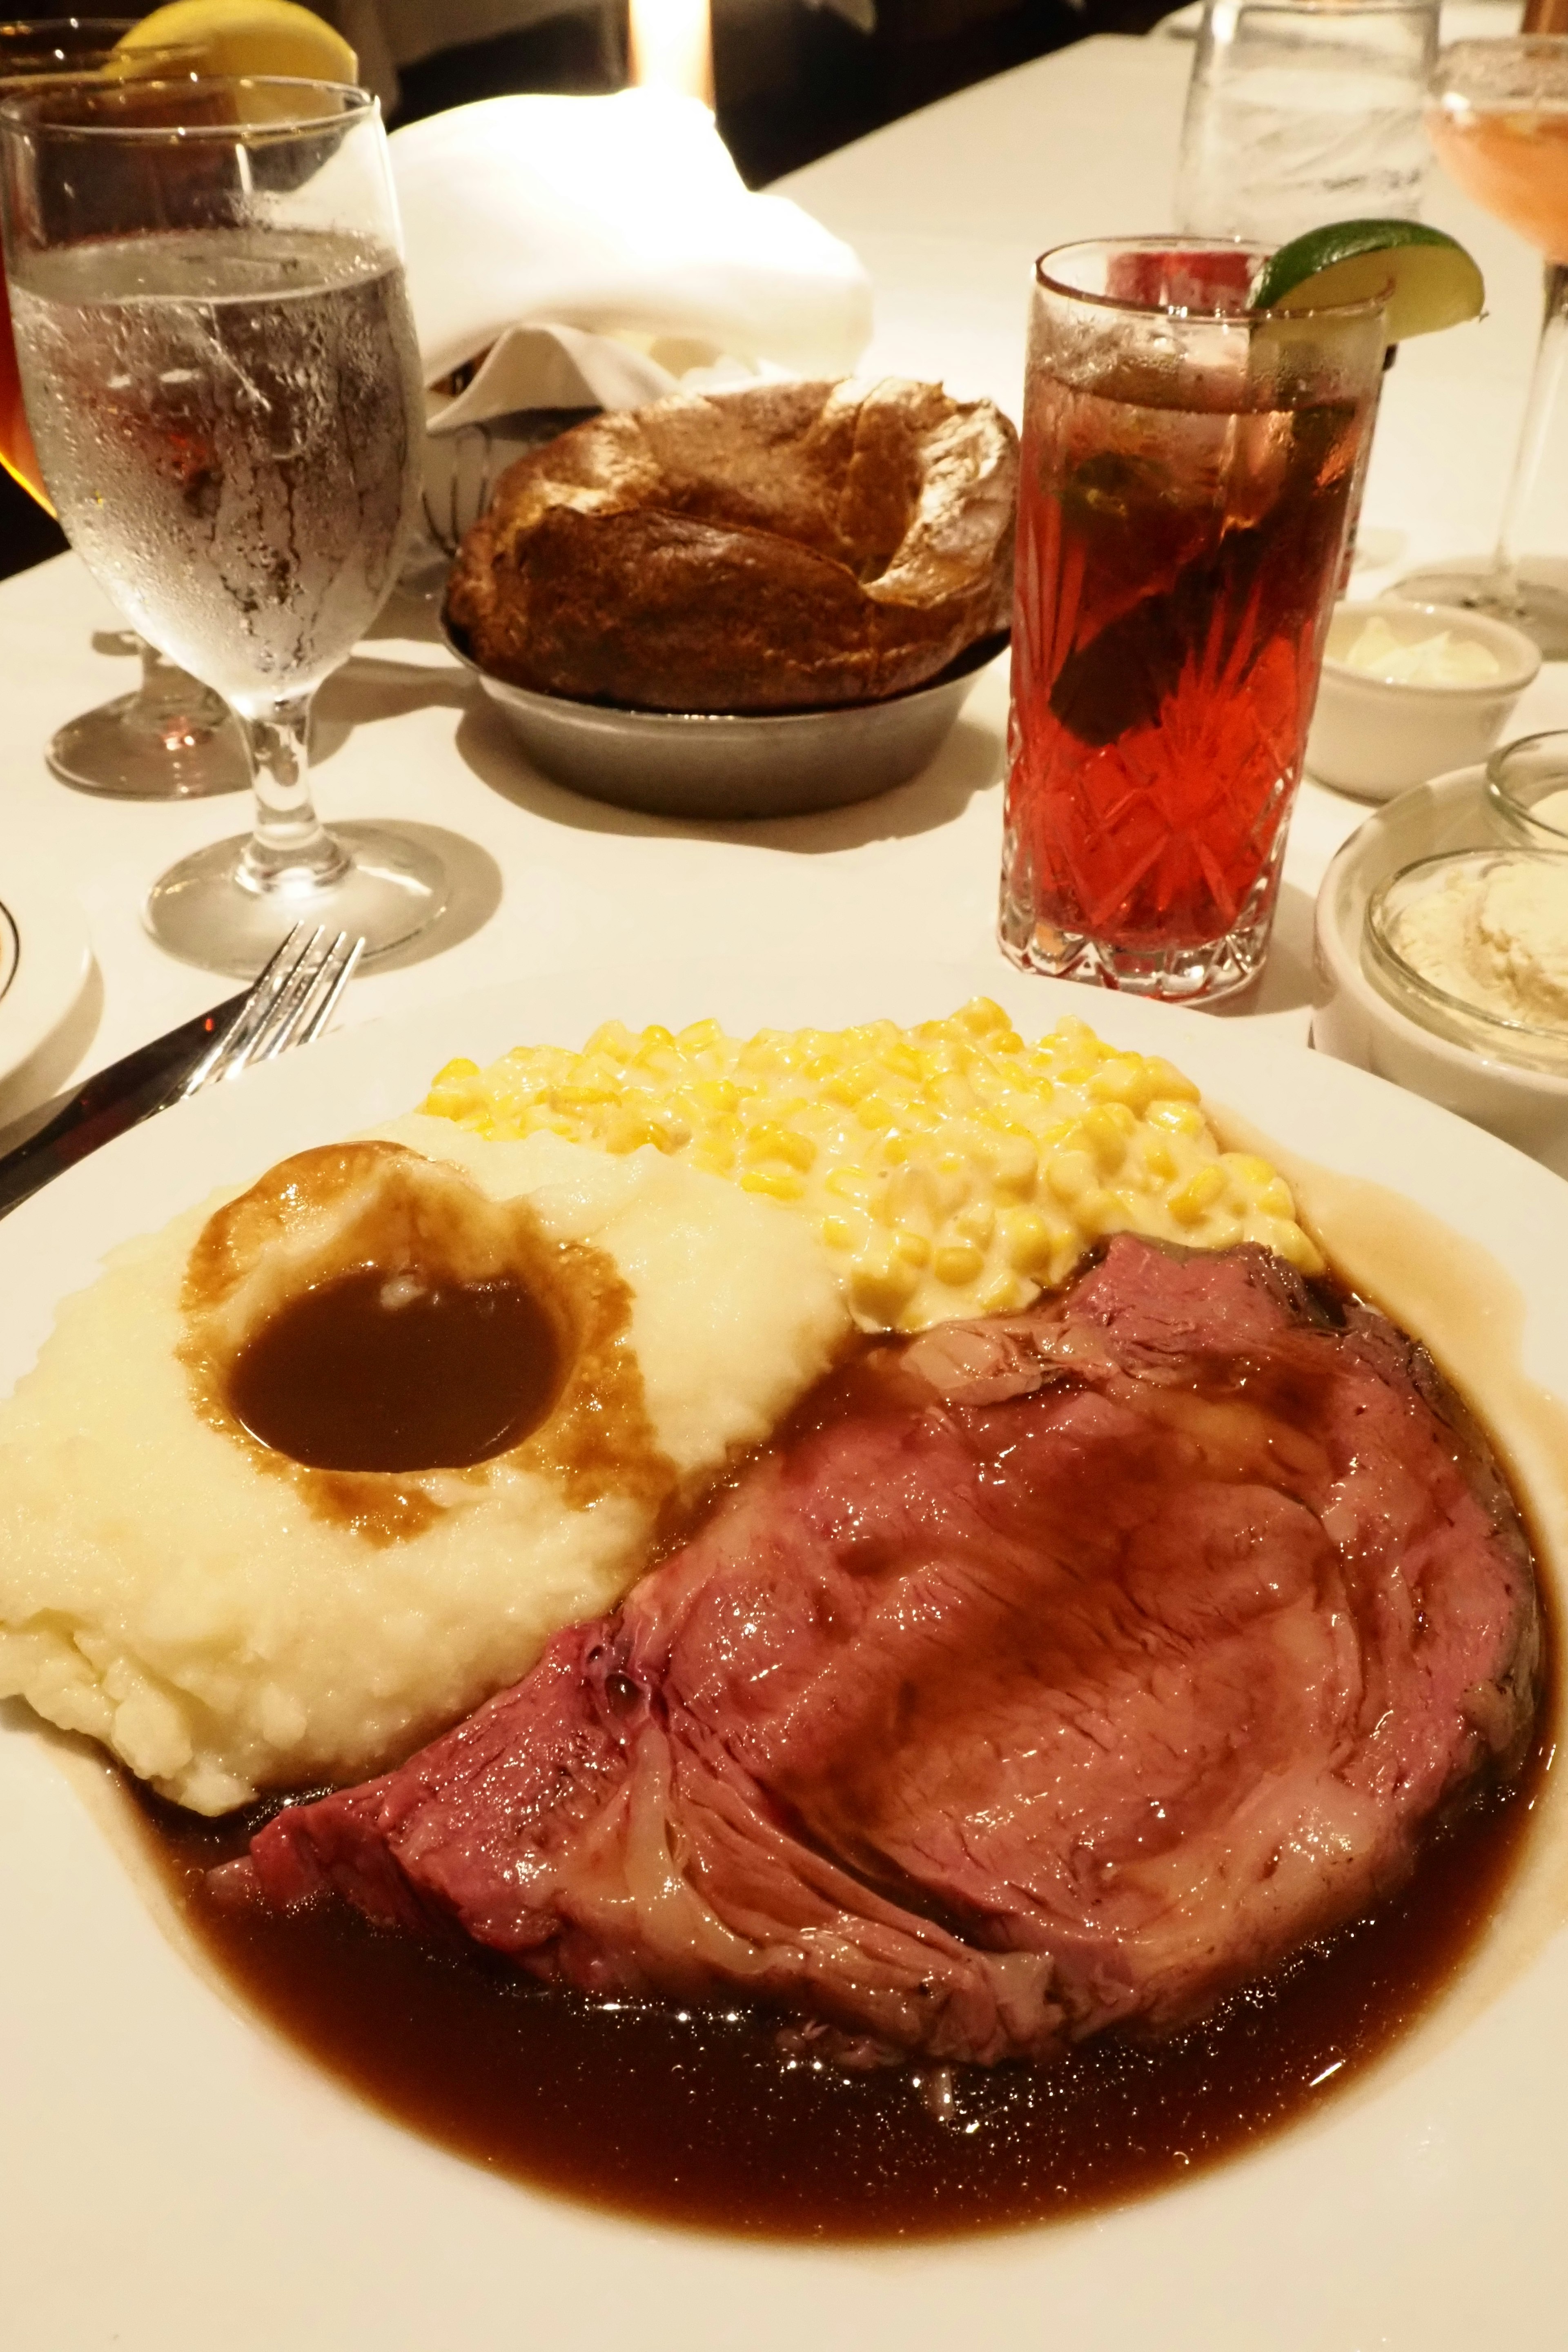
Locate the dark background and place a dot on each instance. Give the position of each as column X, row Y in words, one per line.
column 792, row 82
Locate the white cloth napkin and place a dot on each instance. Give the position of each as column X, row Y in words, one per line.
column 616, row 217
column 552, row 367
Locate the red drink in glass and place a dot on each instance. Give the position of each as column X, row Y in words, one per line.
column 17, row 453
column 1187, row 479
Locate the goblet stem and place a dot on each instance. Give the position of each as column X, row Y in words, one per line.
column 290, row 849
column 1502, row 591
column 169, row 740
column 228, row 906
column 172, row 706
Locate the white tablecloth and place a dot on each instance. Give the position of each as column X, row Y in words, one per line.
column 947, row 208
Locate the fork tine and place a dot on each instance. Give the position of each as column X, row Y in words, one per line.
column 268, row 984
column 346, row 954
column 277, row 1027
column 288, row 1003
column 310, row 1002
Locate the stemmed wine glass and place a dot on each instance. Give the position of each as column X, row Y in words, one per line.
column 222, row 383
column 171, row 738
column 1499, row 121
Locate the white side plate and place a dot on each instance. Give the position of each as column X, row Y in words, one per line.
column 45, row 958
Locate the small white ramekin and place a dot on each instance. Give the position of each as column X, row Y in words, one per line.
column 1354, row 1020
column 1374, row 737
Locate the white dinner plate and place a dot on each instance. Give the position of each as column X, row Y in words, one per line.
column 177, row 2180
column 44, row 960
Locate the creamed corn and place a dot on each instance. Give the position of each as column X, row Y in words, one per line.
column 948, row 1169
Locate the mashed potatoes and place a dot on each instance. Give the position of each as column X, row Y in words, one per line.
column 229, row 1621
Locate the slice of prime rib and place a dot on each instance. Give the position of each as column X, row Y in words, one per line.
column 1049, row 1673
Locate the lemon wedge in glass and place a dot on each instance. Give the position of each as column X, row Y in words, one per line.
column 245, row 37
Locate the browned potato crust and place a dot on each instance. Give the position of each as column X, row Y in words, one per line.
column 782, row 545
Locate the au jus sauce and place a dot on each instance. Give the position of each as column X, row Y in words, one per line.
column 695, row 2118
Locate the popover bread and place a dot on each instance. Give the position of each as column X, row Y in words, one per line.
column 781, row 545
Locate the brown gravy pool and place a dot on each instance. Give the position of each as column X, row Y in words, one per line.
column 435, row 1375
column 693, row 2117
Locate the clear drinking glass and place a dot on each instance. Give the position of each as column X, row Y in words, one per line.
column 1302, row 112
column 1499, row 121
column 171, row 739
column 223, row 385
column 1188, row 469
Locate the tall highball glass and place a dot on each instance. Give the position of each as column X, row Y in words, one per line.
column 223, row 384
column 1189, row 466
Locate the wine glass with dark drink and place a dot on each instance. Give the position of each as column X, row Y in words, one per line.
column 224, row 386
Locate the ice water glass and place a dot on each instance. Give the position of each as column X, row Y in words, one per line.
column 1188, row 469
column 1303, row 112
column 222, row 383
column 171, row 738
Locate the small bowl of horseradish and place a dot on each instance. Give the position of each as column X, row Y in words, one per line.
column 1440, row 961
column 1410, row 691
column 1473, row 945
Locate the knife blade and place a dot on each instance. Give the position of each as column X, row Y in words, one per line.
column 114, row 1100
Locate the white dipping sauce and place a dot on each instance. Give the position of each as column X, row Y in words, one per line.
column 1496, row 937
column 1443, row 660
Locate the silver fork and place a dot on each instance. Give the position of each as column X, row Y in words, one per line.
column 287, row 1004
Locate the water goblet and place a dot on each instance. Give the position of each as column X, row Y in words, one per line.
column 171, row 738
column 223, row 381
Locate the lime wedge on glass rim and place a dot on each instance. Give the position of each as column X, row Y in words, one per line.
column 1432, row 282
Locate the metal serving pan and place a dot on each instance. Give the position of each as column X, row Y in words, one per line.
column 700, row 764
